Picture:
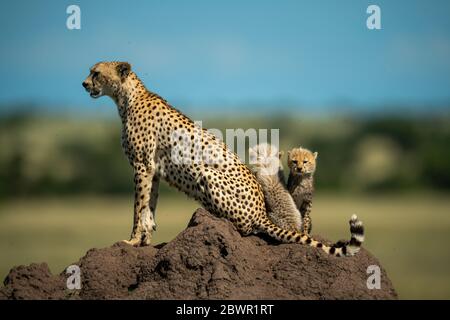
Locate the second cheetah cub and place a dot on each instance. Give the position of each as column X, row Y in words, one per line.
column 302, row 165
column 267, row 167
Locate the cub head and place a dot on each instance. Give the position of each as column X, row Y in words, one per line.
column 302, row 161
column 106, row 78
column 265, row 159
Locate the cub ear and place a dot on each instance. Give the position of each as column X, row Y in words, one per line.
column 123, row 70
column 280, row 154
column 315, row 155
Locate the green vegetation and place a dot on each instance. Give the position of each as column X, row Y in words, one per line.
column 46, row 156
column 65, row 186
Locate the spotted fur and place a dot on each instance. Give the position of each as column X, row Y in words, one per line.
column 225, row 187
column 268, row 169
column 302, row 166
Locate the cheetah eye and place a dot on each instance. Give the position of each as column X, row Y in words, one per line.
column 95, row 74
column 305, row 161
column 295, row 162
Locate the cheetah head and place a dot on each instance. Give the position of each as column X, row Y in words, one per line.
column 302, row 161
column 106, row 78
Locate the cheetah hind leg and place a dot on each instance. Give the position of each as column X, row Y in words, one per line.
column 204, row 187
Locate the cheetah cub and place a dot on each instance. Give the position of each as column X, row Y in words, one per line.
column 268, row 169
column 302, row 165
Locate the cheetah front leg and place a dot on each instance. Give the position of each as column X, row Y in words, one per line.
column 143, row 223
column 154, row 200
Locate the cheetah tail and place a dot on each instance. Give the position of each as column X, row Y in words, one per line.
column 339, row 249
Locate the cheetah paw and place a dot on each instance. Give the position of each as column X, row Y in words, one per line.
column 133, row 242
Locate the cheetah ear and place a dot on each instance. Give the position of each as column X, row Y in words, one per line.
column 280, row 154
column 123, row 69
column 315, row 155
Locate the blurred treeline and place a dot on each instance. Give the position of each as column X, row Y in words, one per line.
column 48, row 155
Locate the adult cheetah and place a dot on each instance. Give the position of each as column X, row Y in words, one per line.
column 154, row 138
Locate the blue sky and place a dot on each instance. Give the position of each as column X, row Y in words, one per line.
column 211, row 54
